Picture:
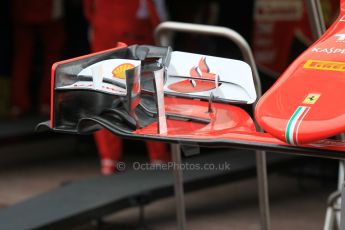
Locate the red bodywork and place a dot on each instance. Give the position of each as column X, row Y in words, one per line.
column 307, row 103
column 228, row 123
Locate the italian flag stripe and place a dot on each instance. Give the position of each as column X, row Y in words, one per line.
column 291, row 132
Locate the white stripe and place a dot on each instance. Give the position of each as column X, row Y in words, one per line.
column 293, row 124
column 299, row 123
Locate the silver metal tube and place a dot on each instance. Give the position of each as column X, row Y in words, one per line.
column 316, row 18
column 261, row 171
column 329, row 219
column 342, row 213
column 178, row 187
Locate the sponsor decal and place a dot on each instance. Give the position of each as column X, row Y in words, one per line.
column 311, row 98
column 203, row 79
column 283, row 10
column 340, row 37
column 105, row 87
column 120, row 71
column 332, row 50
column 325, row 65
column 292, row 128
column 202, row 70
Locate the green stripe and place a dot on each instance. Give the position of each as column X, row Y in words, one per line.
column 289, row 125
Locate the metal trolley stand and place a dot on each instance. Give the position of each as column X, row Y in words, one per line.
column 162, row 33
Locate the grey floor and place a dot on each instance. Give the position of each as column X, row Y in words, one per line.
column 231, row 206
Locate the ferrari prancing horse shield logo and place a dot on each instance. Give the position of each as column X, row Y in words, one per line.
column 311, row 98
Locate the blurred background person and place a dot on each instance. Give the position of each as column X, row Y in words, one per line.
column 5, row 56
column 36, row 23
column 131, row 22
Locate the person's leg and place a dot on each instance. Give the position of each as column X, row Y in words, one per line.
column 53, row 38
column 158, row 151
column 109, row 149
column 21, row 68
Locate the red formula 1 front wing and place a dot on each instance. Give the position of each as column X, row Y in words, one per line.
column 135, row 111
